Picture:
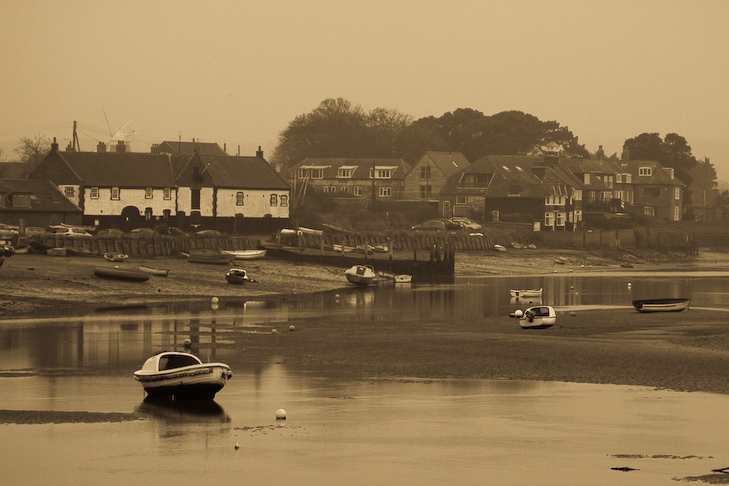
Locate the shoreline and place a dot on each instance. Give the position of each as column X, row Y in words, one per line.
column 685, row 351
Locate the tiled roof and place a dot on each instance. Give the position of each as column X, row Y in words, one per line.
column 45, row 197
column 189, row 148
column 121, row 169
column 360, row 166
column 242, row 173
column 448, row 162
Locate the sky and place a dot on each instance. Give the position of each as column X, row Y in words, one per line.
column 238, row 72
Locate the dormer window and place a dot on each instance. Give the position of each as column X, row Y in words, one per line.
column 645, row 171
column 382, row 172
column 345, row 172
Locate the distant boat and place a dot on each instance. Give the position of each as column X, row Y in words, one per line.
column 114, row 256
column 661, row 305
column 499, row 248
column 122, row 274
column 403, row 278
column 560, row 260
column 61, row 251
column 79, row 251
column 526, row 292
column 246, row 254
column 237, row 276
column 538, row 317
column 160, row 272
column 361, row 274
column 209, row 255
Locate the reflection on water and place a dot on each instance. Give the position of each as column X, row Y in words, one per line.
column 122, row 338
column 169, row 410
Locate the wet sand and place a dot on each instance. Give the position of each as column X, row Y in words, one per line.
column 687, row 351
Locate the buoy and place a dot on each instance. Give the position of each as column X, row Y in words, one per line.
column 292, row 327
column 280, row 414
column 629, row 284
column 274, row 331
column 237, row 446
column 214, row 300
column 187, row 343
column 518, row 313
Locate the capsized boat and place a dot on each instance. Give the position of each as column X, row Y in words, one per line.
column 182, row 375
column 118, row 273
column 160, row 272
column 237, row 276
column 538, row 317
column 361, row 274
column 661, row 305
column 526, row 292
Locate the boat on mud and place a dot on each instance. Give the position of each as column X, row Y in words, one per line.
column 118, row 273
column 661, row 305
column 361, row 274
column 538, row 317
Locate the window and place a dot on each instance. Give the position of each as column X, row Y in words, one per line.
column 310, row 173
column 618, row 178
column 555, row 200
column 195, row 199
column 148, row 213
column 21, row 200
column 549, row 219
column 677, row 193
column 148, row 193
column 561, row 218
column 649, row 211
column 382, row 173
column 578, row 215
column 609, row 181
column 357, row 190
column 676, row 213
column 317, row 173
column 344, row 173
column 94, row 193
column 425, row 192
column 343, row 189
column 284, row 200
column 167, row 194
column 69, row 191
column 577, row 194
column 587, row 178
column 628, row 178
column 645, row 171
column 460, row 199
column 239, row 199
column 384, row 191
column 425, row 172
column 115, row 194
column 274, row 200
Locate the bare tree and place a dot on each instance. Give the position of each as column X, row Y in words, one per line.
column 32, row 150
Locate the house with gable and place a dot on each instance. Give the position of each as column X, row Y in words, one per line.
column 232, row 194
column 32, row 202
column 516, row 188
column 114, row 189
column 366, row 179
column 429, row 174
column 656, row 190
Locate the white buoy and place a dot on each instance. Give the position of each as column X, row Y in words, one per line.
column 187, row 343
column 518, row 313
column 292, row 327
column 274, row 331
column 280, row 414
column 630, row 284
column 214, row 300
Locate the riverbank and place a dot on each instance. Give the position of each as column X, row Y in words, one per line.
column 686, row 351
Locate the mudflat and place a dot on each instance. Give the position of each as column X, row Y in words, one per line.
column 687, row 351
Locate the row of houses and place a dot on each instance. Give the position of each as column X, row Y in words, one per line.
column 551, row 189
column 193, row 185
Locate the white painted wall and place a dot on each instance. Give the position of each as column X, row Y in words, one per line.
column 105, row 206
column 256, row 203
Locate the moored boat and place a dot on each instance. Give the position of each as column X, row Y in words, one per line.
column 361, row 274
column 122, row 273
column 115, row 256
column 538, row 317
column 236, row 276
column 246, row 254
column 526, row 292
column 209, row 255
column 182, row 375
column 160, row 272
column 403, row 278
column 661, row 305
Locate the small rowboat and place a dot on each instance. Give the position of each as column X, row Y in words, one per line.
column 361, row 274
column 246, row 254
column 182, row 375
column 526, row 292
column 122, row 274
column 661, row 305
column 539, row 317
column 114, row 256
column 213, row 256
column 160, row 272
column 403, row 278
column 236, row 276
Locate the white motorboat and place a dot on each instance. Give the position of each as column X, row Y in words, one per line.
column 538, row 317
column 361, row 274
column 182, row 375
column 526, row 292
column 237, row 276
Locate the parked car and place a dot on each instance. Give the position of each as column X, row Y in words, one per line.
column 7, row 231
column 109, row 233
column 465, row 223
column 71, row 233
column 143, row 233
column 165, row 230
column 431, row 225
column 35, row 231
column 209, row 233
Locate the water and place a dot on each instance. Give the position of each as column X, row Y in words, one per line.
column 342, row 429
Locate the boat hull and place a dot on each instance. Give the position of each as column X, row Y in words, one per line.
column 361, row 275
column 160, row 272
column 197, row 381
column 246, row 254
column 209, row 256
column 539, row 317
column 526, row 293
column 661, row 305
column 121, row 274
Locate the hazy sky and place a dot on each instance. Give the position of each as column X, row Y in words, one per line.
column 237, row 72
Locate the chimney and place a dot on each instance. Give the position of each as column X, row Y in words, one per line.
column 259, row 152
column 626, row 154
column 54, row 145
column 101, row 148
column 70, row 148
column 120, row 147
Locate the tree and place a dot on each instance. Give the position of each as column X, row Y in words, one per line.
column 32, row 150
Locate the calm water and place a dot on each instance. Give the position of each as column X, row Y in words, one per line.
column 343, row 430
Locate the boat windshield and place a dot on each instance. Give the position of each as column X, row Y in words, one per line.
column 172, row 362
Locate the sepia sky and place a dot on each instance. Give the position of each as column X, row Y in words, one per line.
column 237, row 72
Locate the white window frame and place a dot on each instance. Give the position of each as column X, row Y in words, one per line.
column 549, row 219
column 148, row 193
column 677, row 193
column 94, row 193
column 357, row 190
column 645, row 171
column 240, row 198
column 115, row 194
column 167, row 193
column 384, row 191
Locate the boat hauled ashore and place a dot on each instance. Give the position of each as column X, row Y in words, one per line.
column 182, row 376
column 361, row 274
column 661, row 305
